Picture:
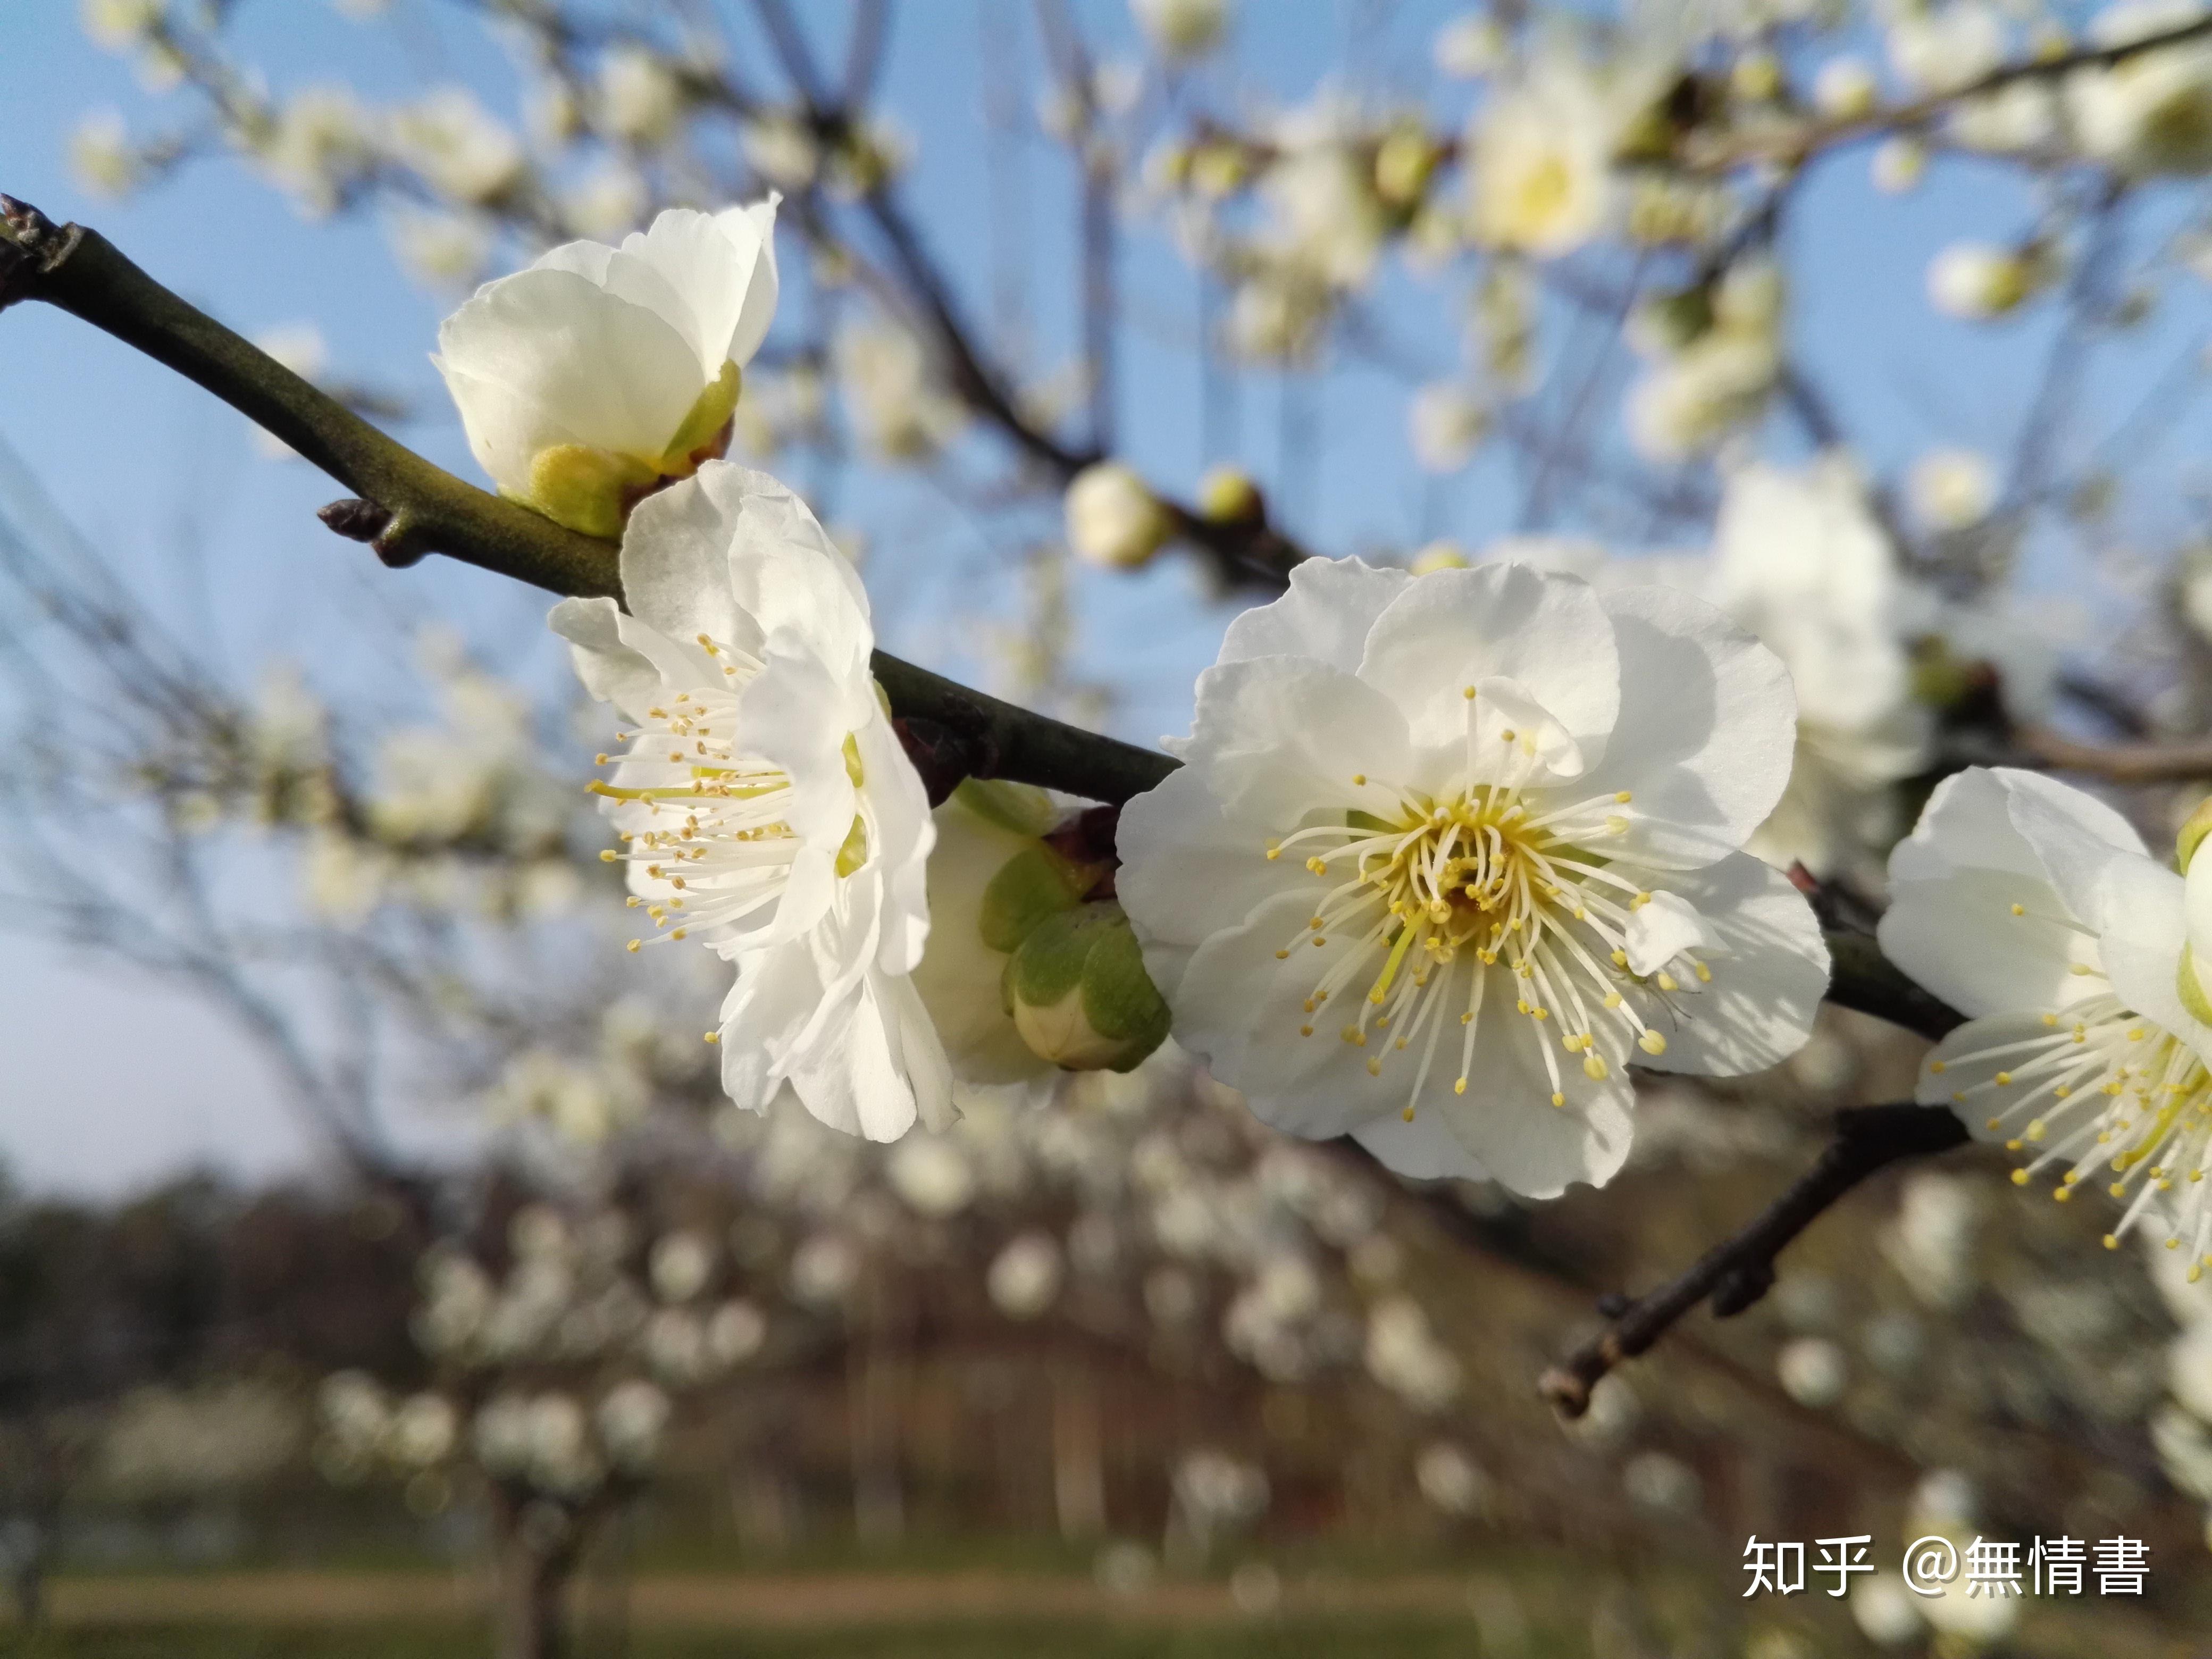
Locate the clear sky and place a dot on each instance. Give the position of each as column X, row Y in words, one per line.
column 113, row 1080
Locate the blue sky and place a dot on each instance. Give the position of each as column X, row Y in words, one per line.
column 114, row 1080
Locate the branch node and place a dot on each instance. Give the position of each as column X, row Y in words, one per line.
column 31, row 246
column 355, row 519
column 942, row 755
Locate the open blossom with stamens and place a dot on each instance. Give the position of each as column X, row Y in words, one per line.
column 2035, row 909
column 1447, row 852
column 763, row 803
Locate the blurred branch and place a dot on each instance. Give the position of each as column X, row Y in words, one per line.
column 1737, row 1272
column 2184, row 762
column 1794, row 143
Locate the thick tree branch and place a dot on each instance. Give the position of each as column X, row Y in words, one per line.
column 1734, row 1273
column 411, row 508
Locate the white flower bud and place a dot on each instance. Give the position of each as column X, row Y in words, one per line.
column 1113, row 520
column 102, row 156
column 1182, row 29
column 1228, row 495
column 119, row 25
column 1952, row 489
column 638, row 97
column 1080, row 995
column 1845, row 89
column 1977, row 281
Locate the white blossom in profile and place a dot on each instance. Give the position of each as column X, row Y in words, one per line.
column 2035, row 909
column 440, row 250
column 763, row 801
column 1025, row 1278
column 591, row 378
column 1953, row 489
column 1447, row 852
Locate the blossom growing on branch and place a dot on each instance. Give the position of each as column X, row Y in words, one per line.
column 593, row 377
column 763, row 799
column 1446, row 852
column 2036, row 909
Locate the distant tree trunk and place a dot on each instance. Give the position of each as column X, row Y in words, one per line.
column 1079, row 1476
column 531, row 1617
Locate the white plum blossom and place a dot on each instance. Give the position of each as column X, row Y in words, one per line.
column 1945, row 47
column 460, row 148
column 1845, row 89
column 763, row 799
column 592, row 378
column 1447, row 851
column 1446, row 425
column 2036, row 910
column 1541, row 179
column 1799, row 560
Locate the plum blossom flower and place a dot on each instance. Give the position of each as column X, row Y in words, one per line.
column 762, row 800
column 1542, row 179
column 591, row 378
column 1446, row 851
column 2035, row 909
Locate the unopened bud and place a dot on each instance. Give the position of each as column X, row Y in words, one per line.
column 1404, row 163
column 1227, row 495
column 1079, row 993
column 1444, row 554
column 1898, row 164
column 1975, row 280
column 1113, row 518
column 1845, row 89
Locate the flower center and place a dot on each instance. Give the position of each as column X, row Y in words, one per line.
column 708, row 824
column 1453, row 904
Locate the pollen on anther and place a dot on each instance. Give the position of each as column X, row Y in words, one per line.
column 1460, row 1087
column 1467, row 692
column 1622, row 796
column 606, row 855
column 634, row 945
column 1557, row 1099
column 1358, row 778
column 2019, row 909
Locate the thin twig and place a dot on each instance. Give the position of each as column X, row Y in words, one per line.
column 1736, row 1273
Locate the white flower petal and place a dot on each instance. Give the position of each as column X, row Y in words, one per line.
column 1453, row 628
column 1704, row 744
column 1421, row 1150
column 1769, row 965
column 1187, row 871
column 712, row 262
column 756, row 220
column 2146, row 931
column 612, row 373
column 1661, row 929
column 1276, row 736
column 1955, row 882
column 1326, row 614
column 1507, row 1123
column 611, row 670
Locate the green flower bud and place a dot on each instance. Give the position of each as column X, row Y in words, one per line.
column 1079, row 994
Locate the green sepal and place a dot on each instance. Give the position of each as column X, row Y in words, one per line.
column 702, row 426
column 1036, row 883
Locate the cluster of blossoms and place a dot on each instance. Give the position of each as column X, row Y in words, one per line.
column 1445, row 855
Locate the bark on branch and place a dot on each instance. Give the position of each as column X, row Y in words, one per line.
column 1734, row 1273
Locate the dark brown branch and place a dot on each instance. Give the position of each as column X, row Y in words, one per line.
column 1736, row 1273
column 2183, row 761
